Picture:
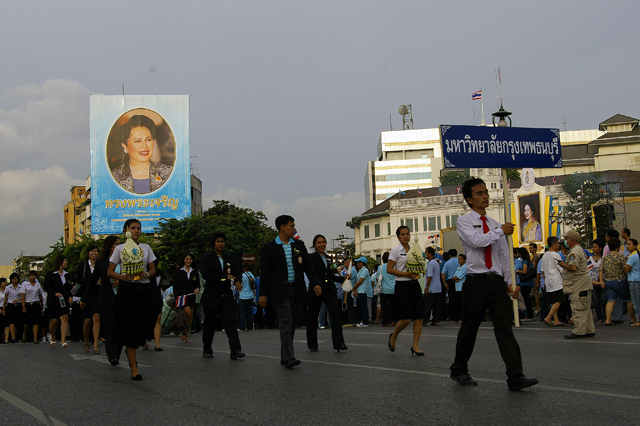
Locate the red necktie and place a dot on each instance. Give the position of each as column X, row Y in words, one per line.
column 487, row 249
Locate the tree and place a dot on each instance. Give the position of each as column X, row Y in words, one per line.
column 454, row 178
column 245, row 229
column 513, row 174
column 74, row 252
column 573, row 183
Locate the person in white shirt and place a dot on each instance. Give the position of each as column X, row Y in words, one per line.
column 486, row 287
column 33, row 299
column 552, row 273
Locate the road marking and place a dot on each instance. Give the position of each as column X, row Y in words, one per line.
column 30, row 409
column 440, row 375
column 101, row 359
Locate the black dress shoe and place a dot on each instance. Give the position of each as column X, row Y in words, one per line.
column 342, row 348
column 292, row 363
column 463, row 379
column 574, row 336
column 521, row 383
column 114, row 362
column 206, row 354
column 313, row 349
column 391, row 348
column 590, row 335
column 236, row 355
column 157, row 349
column 136, row 378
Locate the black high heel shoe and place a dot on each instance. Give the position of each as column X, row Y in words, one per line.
column 393, row 348
column 138, row 376
column 416, row 353
column 342, row 348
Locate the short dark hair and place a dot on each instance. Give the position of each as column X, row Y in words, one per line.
column 467, row 185
column 137, row 121
column 33, row 273
column 551, row 241
column 612, row 233
column 184, row 256
column 283, row 220
column 385, row 256
column 462, row 256
column 219, row 235
column 535, row 246
column 3, row 280
column 634, row 241
column 453, row 252
column 246, row 266
column 128, row 223
column 14, row 275
column 445, row 256
column 614, row 244
column 316, row 239
column 401, row 227
column 431, row 250
column 91, row 247
column 627, row 231
column 600, row 243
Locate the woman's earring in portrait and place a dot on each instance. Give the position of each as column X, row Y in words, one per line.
column 125, row 151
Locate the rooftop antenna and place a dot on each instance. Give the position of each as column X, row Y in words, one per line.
column 123, row 90
column 407, row 116
column 564, row 121
column 500, row 82
column 390, row 123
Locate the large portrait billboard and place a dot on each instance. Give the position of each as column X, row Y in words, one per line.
column 139, row 161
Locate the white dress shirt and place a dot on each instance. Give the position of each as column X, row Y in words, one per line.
column 474, row 240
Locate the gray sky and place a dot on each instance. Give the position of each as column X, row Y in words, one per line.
column 288, row 98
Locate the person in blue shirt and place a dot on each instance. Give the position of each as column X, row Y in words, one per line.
column 526, row 286
column 448, row 272
column 387, row 316
column 632, row 268
column 246, row 297
column 361, row 289
column 433, row 289
column 455, row 296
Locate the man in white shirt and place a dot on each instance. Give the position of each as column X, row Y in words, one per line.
column 552, row 274
column 486, row 287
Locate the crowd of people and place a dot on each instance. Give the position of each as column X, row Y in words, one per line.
column 103, row 300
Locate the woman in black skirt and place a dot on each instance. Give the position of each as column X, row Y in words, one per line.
column 186, row 280
column 89, row 299
column 154, row 329
column 57, row 284
column 4, row 324
column 132, row 308
column 33, row 301
column 408, row 300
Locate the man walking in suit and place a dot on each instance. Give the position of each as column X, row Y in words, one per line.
column 486, row 287
column 284, row 263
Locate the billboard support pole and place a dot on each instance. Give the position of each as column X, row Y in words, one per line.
column 507, row 218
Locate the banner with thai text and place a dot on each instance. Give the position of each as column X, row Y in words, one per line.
column 500, row 147
column 139, row 161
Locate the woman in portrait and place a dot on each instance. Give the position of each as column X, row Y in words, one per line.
column 531, row 229
column 139, row 174
column 57, row 284
column 132, row 308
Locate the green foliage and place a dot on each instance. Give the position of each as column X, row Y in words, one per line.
column 513, row 174
column 454, row 178
column 246, row 232
column 571, row 185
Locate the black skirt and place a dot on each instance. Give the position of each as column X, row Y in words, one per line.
column 14, row 314
column 132, row 314
column 34, row 314
column 89, row 310
column 408, row 300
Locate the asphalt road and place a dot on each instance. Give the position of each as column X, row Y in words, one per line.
column 586, row 381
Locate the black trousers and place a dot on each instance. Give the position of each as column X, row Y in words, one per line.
column 479, row 293
column 455, row 303
column 229, row 313
column 433, row 304
column 386, row 307
column 526, row 295
column 108, row 325
column 288, row 316
column 336, row 322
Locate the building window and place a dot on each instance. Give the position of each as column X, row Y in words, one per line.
column 388, row 228
column 378, row 259
column 454, row 220
column 424, row 223
column 409, row 224
column 448, row 221
column 435, row 223
column 366, row 231
column 439, row 223
column 415, row 222
column 376, row 230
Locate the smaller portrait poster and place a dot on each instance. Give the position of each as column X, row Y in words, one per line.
column 139, row 161
column 529, row 221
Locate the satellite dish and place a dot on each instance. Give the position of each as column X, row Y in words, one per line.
column 402, row 109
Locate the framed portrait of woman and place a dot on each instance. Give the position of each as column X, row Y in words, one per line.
column 530, row 228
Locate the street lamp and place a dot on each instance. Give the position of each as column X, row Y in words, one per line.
column 501, row 114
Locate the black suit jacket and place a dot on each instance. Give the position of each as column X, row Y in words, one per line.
column 326, row 274
column 106, row 296
column 53, row 284
column 273, row 275
column 216, row 283
column 183, row 285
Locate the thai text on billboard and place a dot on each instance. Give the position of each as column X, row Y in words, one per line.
column 139, row 161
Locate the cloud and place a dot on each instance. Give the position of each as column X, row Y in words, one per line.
column 46, row 124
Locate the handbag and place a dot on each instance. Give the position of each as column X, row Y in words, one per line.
column 378, row 287
column 529, row 275
column 346, row 285
column 180, row 321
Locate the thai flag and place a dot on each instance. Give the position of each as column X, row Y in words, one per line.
column 589, row 263
column 458, row 190
column 296, row 236
column 181, row 301
column 554, row 179
column 508, row 183
column 476, row 96
column 419, row 191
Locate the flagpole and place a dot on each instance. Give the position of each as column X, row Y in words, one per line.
column 482, row 123
column 507, row 218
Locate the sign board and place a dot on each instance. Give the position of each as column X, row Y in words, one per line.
column 248, row 258
column 139, row 161
column 500, row 147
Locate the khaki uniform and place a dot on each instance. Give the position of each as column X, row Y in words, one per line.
column 577, row 285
